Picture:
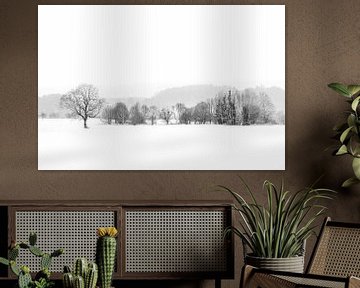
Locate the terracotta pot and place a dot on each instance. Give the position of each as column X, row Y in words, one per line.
column 291, row 264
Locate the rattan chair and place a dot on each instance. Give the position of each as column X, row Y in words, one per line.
column 334, row 263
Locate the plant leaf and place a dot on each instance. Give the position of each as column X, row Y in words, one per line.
column 356, row 167
column 354, row 144
column 345, row 134
column 349, row 182
column 351, row 120
column 353, row 89
column 4, row 261
column 14, row 268
column 342, row 150
column 355, row 103
column 340, row 88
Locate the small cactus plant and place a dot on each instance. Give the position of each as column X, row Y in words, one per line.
column 79, row 282
column 85, row 275
column 42, row 278
column 106, row 254
column 81, row 267
column 68, row 278
column 91, row 276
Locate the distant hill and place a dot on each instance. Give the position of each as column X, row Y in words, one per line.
column 188, row 95
column 191, row 95
column 130, row 101
column 49, row 104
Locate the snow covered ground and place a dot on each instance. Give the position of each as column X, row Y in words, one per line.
column 63, row 144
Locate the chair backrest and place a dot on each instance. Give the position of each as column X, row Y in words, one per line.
column 337, row 251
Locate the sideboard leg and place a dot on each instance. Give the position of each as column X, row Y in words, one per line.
column 217, row 283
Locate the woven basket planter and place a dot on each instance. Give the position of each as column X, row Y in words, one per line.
column 291, row 264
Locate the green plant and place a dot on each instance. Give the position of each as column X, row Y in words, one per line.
column 42, row 278
column 91, row 276
column 279, row 229
column 348, row 132
column 43, row 283
column 79, row 282
column 80, row 268
column 85, row 275
column 68, row 278
column 105, row 254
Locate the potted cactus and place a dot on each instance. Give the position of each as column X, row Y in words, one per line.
column 106, row 254
column 42, row 278
column 84, row 275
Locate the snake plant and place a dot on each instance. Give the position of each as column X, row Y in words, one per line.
column 348, row 133
column 279, row 228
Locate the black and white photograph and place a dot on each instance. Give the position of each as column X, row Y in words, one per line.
column 161, row 87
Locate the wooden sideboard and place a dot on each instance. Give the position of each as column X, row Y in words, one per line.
column 157, row 240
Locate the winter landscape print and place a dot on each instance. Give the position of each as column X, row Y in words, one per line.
column 157, row 87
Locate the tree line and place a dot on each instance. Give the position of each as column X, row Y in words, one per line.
column 230, row 107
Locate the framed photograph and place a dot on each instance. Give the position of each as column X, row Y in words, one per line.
column 161, row 87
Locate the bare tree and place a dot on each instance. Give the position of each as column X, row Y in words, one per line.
column 136, row 116
column 219, row 109
column 145, row 110
column 246, row 104
column 166, row 114
column 212, row 111
column 201, row 113
column 83, row 102
column 179, row 109
column 153, row 112
column 254, row 113
column 280, row 117
column 107, row 114
column 267, row 108
column 186, row 116
column 121, row 113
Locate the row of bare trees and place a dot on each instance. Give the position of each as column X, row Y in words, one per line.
column 120, row 114
column 226, row 108
column 230, row 107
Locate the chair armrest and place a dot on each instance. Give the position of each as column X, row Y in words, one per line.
column 246, row 273
column 255, row 277
column 252, row 277
column 354, row 282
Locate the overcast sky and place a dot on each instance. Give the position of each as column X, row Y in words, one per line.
column 139, row 50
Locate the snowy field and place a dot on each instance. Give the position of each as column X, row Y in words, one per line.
column 64, row 144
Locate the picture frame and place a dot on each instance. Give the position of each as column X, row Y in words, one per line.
column 166, row 87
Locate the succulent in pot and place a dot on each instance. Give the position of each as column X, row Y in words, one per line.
column 279, row 229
